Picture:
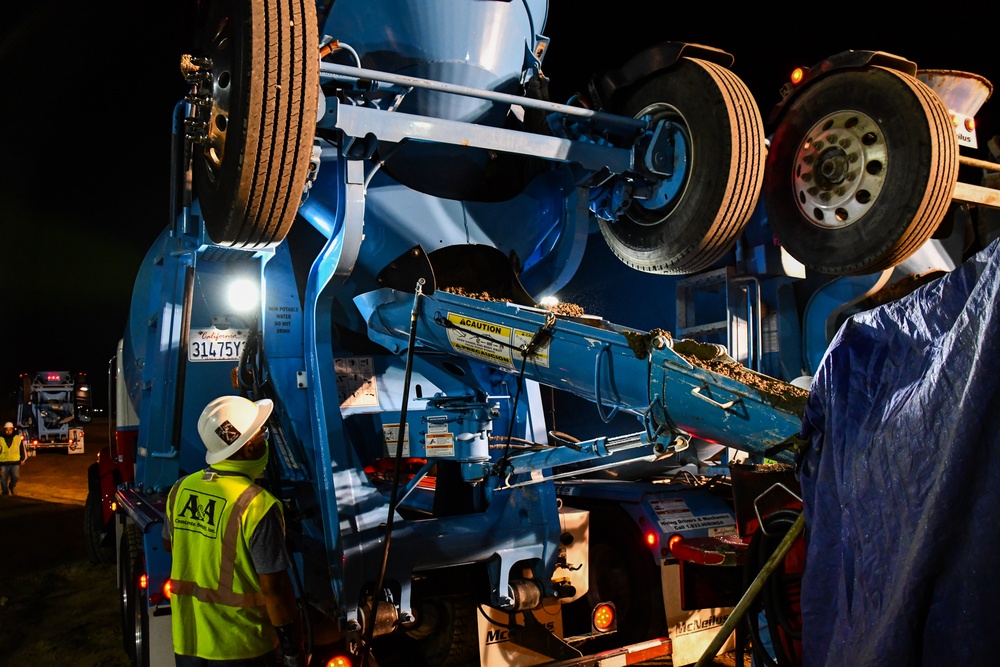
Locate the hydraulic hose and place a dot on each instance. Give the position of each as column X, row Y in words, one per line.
column 773, row 598
column 377, row 593
column 752, row 591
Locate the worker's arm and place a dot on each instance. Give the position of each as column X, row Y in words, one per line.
column 269, row 555
column 279, row 596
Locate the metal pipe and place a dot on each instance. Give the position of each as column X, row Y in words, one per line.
column 982, row 164
column 182, row 356
column 331, row 69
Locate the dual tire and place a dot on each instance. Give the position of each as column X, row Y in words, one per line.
column 133, row 607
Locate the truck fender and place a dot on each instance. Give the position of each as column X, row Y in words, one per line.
column 605, row 87
column 845, row 60
column 103, row 480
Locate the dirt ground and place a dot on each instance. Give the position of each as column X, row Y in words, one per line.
column 56, row 608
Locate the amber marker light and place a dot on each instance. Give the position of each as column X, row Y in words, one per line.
column 339, row 661
column 603, row 618
column 674, row 539
column 143, row 581
column 797, row 75
column 970, row 124
column 168, row 589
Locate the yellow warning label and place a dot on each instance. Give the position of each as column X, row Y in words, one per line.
column 481, row 339
column 439, row 445
column 494, row 343
column 539, row 356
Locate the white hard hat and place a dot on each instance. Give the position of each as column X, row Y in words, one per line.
column 228, row 422
column 8, row 425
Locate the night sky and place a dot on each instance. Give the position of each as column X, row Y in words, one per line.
column 89, row 90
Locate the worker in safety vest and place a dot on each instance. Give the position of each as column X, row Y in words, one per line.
column 232, row 597
column 12, row 455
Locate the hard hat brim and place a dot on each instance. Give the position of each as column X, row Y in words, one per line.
column 264, row 407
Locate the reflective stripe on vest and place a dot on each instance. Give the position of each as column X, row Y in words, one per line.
column 225, row 593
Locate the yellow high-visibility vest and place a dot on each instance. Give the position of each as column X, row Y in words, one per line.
column 217, row 608
column 11, row 453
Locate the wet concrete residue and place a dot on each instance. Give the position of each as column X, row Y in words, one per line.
column 715, row 358
column 776, row 393
column 641, row 343
column 702, row 351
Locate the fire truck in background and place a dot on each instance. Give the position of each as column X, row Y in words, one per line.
column 52, row 407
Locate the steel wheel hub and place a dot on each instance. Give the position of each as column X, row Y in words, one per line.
column 839, row 169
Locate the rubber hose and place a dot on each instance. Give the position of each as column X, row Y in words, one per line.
column 771, row 599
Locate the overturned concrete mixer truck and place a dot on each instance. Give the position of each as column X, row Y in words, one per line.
column 515, row 346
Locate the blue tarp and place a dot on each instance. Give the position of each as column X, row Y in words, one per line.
column 901, row 482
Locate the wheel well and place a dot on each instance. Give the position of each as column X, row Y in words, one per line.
column 607, row 87
column 845, row 60
column 622, row 571
column 460, row 580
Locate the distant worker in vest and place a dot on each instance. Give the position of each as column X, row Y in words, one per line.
column 12, row 455
column 233, row 602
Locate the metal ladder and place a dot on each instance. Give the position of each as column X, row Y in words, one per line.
column 735, row 303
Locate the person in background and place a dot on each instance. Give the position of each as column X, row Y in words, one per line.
column 12, row 455
column 232, row 601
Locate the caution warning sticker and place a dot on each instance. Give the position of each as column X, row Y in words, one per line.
column 494, row 343
column 442, row 445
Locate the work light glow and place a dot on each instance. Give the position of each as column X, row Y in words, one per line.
column 243, row 295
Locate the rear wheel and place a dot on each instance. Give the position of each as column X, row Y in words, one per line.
column 693, row 218
column 100, row 549
column 140, row 621
column 453, row 643
column 861, row 171
column 252, row 156
column 129, row 569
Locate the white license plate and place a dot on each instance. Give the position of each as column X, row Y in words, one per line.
column 216, row 344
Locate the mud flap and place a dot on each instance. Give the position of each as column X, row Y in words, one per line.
column 523, row 638
column 75, row 441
